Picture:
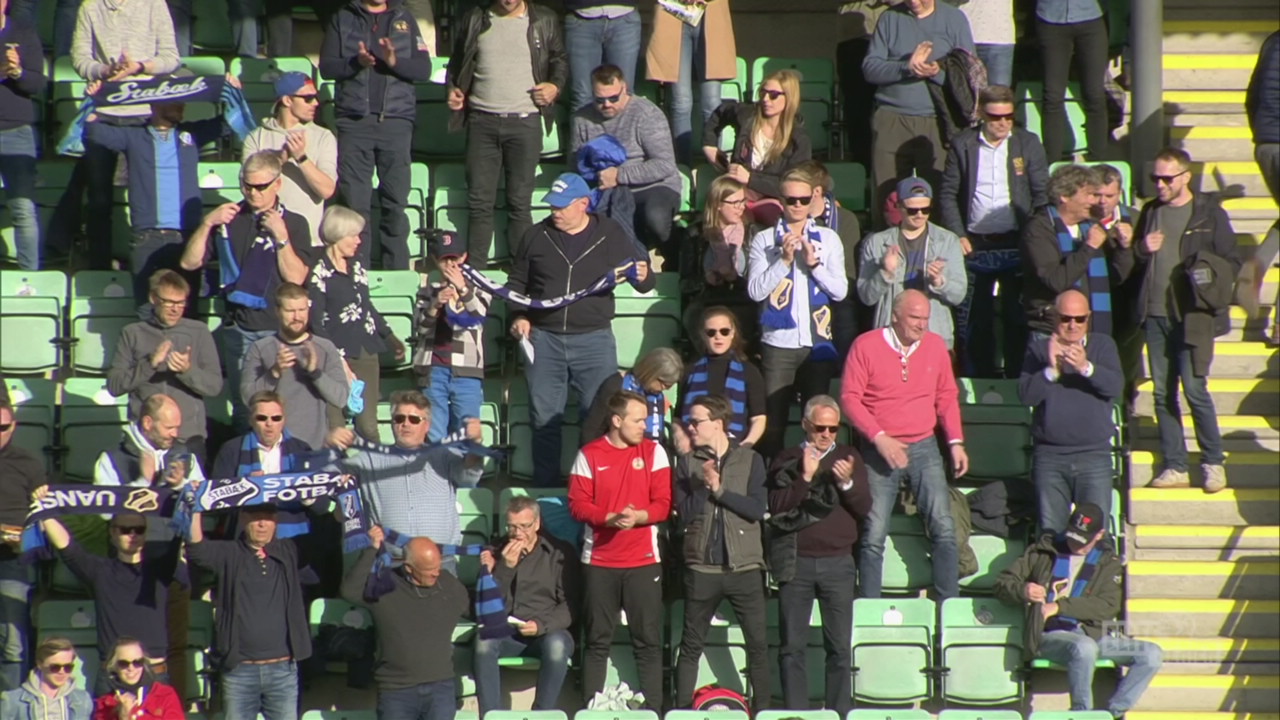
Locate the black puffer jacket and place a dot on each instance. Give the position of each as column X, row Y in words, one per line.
column 339, row 61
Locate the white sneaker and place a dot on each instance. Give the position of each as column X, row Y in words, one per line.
column 1171, row 478
column 1215, row 478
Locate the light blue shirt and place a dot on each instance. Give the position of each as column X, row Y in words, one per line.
column 1065, row 12
column 991, row 209
column 766, row 271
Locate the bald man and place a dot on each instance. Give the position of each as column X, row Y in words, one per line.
column 897, row 388
column 414, row 622
column 1071, row 379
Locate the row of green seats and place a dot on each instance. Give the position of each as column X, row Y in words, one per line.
column 861, row 714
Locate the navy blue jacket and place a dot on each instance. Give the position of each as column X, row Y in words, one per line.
column 16, row 106
column 1262, row 101
column 339, row 60
column 1074, row 413
column 1028, row 178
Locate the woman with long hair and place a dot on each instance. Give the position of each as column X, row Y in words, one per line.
column 654, row 373
column 135, row 693
column 725, row 229
column 771, row 140
column 724, row 370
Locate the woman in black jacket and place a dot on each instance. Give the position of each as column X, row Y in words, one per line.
column 771, row 140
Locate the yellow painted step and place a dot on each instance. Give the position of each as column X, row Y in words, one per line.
column 1249, row 203
column 1216, row 682
column 1221, row 27
column 1201, row 569
column 1198, row 495
column 1209, row 61
column 1143, row 457
column 1216, row 97
column 1231, row 422
column 1226, row 168
column 1211, row 132
column 1169, row 715
column 1232, row 385
column 1216, row 646
column 1182, row 606
column 1215, row 533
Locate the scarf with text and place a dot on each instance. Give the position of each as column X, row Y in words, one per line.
column 80, row 499
column 1099, row 278
column 655, row 423
column 779, row 309
column 289, row 523
column 735, row 391
column 1062, row 571
column 247, row 284
column 606, row 283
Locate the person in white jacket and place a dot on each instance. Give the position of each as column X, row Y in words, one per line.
column 916, row 254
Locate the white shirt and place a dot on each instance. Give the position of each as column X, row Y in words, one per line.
column 766, row 272
column 269, row 458
column 991, row 209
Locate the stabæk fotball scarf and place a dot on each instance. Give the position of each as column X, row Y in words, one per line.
column 779, row 308
column 80, row 499
column 627, row 271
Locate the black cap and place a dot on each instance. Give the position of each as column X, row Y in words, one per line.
column 445, row 243
column 1086, row 523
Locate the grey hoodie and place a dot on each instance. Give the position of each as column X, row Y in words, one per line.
column 30, row 703
column 295, row 194
column 109, row 29
column 132, row 372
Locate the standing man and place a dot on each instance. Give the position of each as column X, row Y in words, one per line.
column 261, row 632
column 1064, row 247
column 909, row 40
column 256, row 254
column 1262, row 102
column 995, row 177
column 600, row 32
column 375, row 53
column 574, row 344
column 1071, row 381
column 23, row 473
column 916, row 255
column 310, row 151
column 538, row 574
column 827, row 212
column 507, row 69
column 169, row 354
column 796, row 270
column 719, row 502
column 620, row 488
column 1176, row 229
column 414, row 623
column 650, row 171
column 1117, row 218
column 818, row 497
column 306, row 371
column 22, row 82
column 897, row 390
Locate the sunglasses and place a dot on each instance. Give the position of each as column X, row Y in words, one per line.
column 994, row 117
column 825, row 429
column 695, row 422
column 57, row 668
column 608, row 99
column 163, row 302
column 260, row 187
column 771, row 94
column 736, row 203
column 4, row 427
column 1167, row 179
column 722, row 332
column 402, row 419
column 1077, row 319
column 917, row 211
column 272, row 418
column 126, row 664
column 308, row 99
column 131, row 529
column 794, row 201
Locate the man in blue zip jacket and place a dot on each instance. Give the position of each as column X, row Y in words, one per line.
column 374, row 51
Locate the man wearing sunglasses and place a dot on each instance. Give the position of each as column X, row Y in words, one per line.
column 130, row 585
column 268, row 448
column 995, row 176
column 310, row 174
column 649, row 171
column 1071, row 380
column 50, row 682
column 818, row 496
column 23, row 472
column 1178, row 229
column 827, row 212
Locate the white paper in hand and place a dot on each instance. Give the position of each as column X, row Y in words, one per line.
column 527, row 348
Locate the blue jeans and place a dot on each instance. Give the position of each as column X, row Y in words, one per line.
column 999, row 62
column 1170, row 361
column 18, row 170
column 428, row 701
column 1079, row 653
column 15, row 622
column 927, row 478
column 235, row 345
column 693, row 51
column 452, row 398
column 270, row 689
column 554, row 650
column 1066, row 479
column 583, row 361
column 244, row 25
column 599, row 41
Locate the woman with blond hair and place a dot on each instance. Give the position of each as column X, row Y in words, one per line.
column 771, row 140
column 134, row 692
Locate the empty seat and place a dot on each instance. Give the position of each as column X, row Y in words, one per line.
column 92, row 421
column 893, row 649
column 31, row 307
column 205, row 65
column 889, row 715
column 614, row 715
column 705, row 715
column 997, row 428
column 71, row 619
column 979, row 715
column 33, row 403
column 475, row 517
column 102, row 304
column 526, row 715
column 981, row 646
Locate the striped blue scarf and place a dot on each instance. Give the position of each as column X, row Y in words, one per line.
column 1061, row 571
column 606, row 283
column 1099, row 287
column 779, row 313
column 655, row 423
column 735, row 391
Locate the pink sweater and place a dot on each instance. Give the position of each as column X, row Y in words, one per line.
column 875, row 399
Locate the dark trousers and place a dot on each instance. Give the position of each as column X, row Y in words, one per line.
column 94, row 173
column 703, row 593
column 902, row 145
column 1087, row 43
column 639, row 592
column 366, row 143
column 497, row 147
column 655, row 212
column 428, row 701
column 155, row 250
column 788, row 372
column 831, row 581
column 982, row 313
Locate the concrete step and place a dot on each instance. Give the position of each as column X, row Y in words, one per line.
column 1216, row 650
column 1257, row 227
column 1193, row 115
column 1215, row 148
column 1260, row 208
column 1219, row 538
column 1208, row 667
column 1193, row 506
column 1208, row 71
column 1235, row 581
column 1231, row 396
column 1241, row 360
column 1245, row 328
column 1181, row 617
column 1222, row 12
column 1245, row 433
column 1176, row 715
column 1163, row 555
column 1187, row 37
column 1249, row 693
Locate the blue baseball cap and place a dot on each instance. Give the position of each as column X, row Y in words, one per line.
column 914, row 187
column 291, row 82
column 567, row 188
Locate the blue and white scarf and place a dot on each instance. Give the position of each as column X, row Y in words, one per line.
column 655, row 423
column 247, row 284
column 735, row 390
column 779, row 312
column 607, row 282
column 289, row 523
column 1098, row 277
column 80, row 499
column 1061, row 571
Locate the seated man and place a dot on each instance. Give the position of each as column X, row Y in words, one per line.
column 149, row 453
column 1071, row 585
column 538, row 575
column 650, row 168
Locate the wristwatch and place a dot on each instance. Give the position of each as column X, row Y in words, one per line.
column 302, row 159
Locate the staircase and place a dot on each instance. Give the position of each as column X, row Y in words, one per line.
column 1204, row 570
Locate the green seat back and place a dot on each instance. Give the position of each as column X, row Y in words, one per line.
column 92, row 420
column 36, row 319
column 33, row 401
column 907, row 567
column 979, row 715
column 615, row 715
column 865, row 714
column 267, row 70
column 705, row 715
column 981, row 645
column 526, row 715
column 328, row 611
column 71, row 619
column 637, row 335
column 994, row 555
column 801, row 714
column 205, row 64
column 431, row 137
column 850, row 180
column 96, row 324
column 1029, row 98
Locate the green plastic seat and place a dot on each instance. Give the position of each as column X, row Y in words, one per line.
column 866, row 714
column 979, row 715
column 526, row 715
column 200, row 625
column 1029, row 98
column 31, row 307
column 994, row 555
column 615, row 715
column 637, row 335
column 212, row 31
column 205, row 64
column 907, row 567
column 102, row 304
column 92, row 420
column 33, row 401
column 893, row 649
column 1070, row 715
column 997, row 428
column 850, row 180
column 267, row 70
column 431, row 136
column 705, row 715
column 71, row 619
column 801, row 714
column 981, row 646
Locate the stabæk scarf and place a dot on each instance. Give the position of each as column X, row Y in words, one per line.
column 779, row 308
column 80, row 499
column 608, row 281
